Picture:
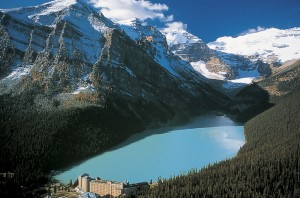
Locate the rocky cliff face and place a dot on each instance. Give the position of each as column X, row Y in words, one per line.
column 284, row 81
column 69, row 55
column 193, row 50
column 54, row 46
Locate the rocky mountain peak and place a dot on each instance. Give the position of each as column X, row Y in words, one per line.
column 180, row 36
column 50, row 13
column 136, row 30
column 193, row 50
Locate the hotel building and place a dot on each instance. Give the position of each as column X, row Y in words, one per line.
column 108, row 188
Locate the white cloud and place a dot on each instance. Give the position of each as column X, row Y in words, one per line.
column 118, row 10
column 253, row 30
column 169, row 18
column 175, row 26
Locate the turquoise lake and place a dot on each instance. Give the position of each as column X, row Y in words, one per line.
column 164, row 152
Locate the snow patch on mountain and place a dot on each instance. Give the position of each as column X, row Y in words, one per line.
column 237, row 83
column 244, row 77
column 53, row 7
column 17, row 73
column 48, row 14
column 163, row 61
column 176, row 33
column 86, row 88
column 200, row 67
column 97, row 24
column 145, row 33
column 38, row 13
column 131, row 27
column 179, row 36
column 270, row 45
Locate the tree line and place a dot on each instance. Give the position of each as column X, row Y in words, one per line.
column 267, row 165
column 35, row 142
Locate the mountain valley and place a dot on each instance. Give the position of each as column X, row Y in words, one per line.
column 73, row 84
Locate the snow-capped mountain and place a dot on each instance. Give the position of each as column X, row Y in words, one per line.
column 236, row 62
column 52, row 40
column 156, row 46
column 270, row 45
column 150, row 39
column 231, row 71
column 180, row 36
column 186, row 45
column 193, row 50
column 80, row 25
column 67, row 51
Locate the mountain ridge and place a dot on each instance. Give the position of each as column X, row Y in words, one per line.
column 232, row 68
column 270, row 45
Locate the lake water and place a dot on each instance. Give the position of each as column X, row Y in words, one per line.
column 164, row 152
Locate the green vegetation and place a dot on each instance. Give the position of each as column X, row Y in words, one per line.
column 250, row 102
column 268, row 165
column 34, row 142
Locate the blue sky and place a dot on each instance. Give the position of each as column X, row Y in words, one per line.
column 208, row 19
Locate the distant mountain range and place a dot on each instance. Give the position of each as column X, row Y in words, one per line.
column 237, row 61
column 272, row 46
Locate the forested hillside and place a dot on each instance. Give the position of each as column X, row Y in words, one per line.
column 34, row 142
column 267, row 165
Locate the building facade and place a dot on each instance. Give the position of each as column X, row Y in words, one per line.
column 108, row 188
column 100, row 187
column 103, row 188
column 84, row 182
